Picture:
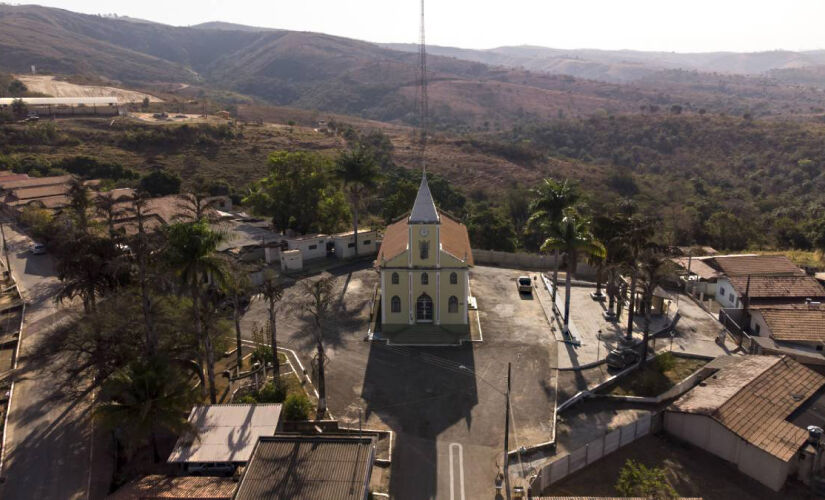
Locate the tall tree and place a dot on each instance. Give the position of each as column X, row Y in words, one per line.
column 191, row 254
column 273, row 292
column 654, row 269
column 317, row 305
column 358, row 172
column 550, row 199
column 144, row 398
column 573, row 236
column 237, row 284
column 80, row 203
column 88, row 266
column 110, row 208
column 636, row 238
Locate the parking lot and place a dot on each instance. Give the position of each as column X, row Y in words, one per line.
column 447, row 404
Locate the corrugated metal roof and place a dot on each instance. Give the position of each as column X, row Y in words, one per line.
column 320, row 467
column 752, row 398
column 225, row 433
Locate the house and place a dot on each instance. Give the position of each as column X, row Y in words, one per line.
column 753, row 413
column 225, row 434
column 424, row 264
column 312, row 246
column 318, row 467
column 732, row 291
column 345, row 243
column 797, row 330
column 291, row 260
column 156, row 487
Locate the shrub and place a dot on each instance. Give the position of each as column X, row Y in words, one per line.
column 262, row 354
column 249, row 399
column 297, row 407
column 665, row 362
column 161, row 183
column 272, row 392
column 636, row 480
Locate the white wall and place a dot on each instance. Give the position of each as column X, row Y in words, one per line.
column 758, row 321
column 367, row 244
column 711, row 436
column 306, row 247
column 726, row 296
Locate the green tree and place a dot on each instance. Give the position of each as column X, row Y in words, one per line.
column 191, row 254
column 319, row 295
column 145, row 398
column 160, row 183
column 19, row 108
column 550, row 199
column 490, row 229
column 654, row 269
column 358, row 172
column 87, row 266
column 635, row 239
column 297, row 407
column 727, row 231
column 637, row 480
column 573, row 236
column 17, row 88
column 237, row 285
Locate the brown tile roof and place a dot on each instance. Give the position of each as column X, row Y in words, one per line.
column 183, row 487
column 319, row 467
column 36, row 181
column 38, row 192
column 743, row 265
column 698, row 267
column 12, row 177
column 800, row 325
column 778, row 286
column 752, row 397
column 454, row 239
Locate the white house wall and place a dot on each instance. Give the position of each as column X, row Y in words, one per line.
column 305, row 246
column 726, row 295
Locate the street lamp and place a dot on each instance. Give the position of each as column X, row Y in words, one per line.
column 506, row 422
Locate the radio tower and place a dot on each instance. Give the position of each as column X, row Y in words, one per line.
column 422, row 90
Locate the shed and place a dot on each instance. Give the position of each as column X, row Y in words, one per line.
column 345, row 243
column 291, row 260
column 312, row 246
column 225, row 433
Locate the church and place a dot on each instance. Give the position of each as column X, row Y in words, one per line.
column 424, row 264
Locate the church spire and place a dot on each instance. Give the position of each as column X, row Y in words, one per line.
column 424, row 211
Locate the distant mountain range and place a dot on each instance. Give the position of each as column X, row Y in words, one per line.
column 476, row 88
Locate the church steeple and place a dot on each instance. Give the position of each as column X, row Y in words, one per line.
column 424, row 211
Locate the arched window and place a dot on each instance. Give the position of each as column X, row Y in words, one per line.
column 424, row 248
column 452, row 304
column 453, row 278
column 394, row 278
column 395, row 304
column 425, row 279
column 424, row 309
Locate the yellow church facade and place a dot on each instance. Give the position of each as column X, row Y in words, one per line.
column 424, row 264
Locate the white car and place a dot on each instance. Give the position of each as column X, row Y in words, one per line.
column 524, row 284
column 38, row 249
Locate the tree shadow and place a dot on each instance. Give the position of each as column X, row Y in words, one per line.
column 419, row 392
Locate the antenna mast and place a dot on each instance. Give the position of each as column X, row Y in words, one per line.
column 422, row 105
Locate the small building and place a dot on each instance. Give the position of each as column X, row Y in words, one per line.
column 66, row 105
column 732, row 290
column 176, row 488
column 794, row 329
column 317, row 467
column 225, row 434
column 312, row 246
column 345, row 243
column 291, row 260
column 751, row 413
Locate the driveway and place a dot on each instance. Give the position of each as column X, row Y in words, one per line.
column 446, row 405
column 47, row 453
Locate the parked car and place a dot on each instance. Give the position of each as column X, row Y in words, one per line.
column 622, row 357
column 524, row 284
column 211, row 469
column 38, row 249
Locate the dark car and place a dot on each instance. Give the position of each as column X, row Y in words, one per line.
column 622, row 357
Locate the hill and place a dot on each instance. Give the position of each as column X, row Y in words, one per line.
column 340, row 75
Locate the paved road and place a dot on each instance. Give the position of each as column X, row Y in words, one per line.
column 448, row 420
column 47, row 453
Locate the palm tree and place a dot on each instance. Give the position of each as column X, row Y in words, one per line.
column 109, row 208
column 636, row 238
column 318, row 294
column 144, row 398
column 573, row 236
column 358, row 171
column 191, row 254
column 80, row 202
column 551, row 199
column 237, row 284
column 608, row 228
column 654, row 269
column 273, row 292
column 196, row 206
column 88, row 266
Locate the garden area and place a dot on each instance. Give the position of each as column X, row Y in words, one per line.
column 657, row 376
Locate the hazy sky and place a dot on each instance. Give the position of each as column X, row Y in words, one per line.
column 669, row 25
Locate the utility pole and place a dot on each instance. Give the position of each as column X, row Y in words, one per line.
column 5, row 248
column 507, row 437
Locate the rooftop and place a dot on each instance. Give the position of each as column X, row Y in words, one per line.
column 183, row 487
column 323, row 467
column 752, row 397
column 743, row 265
column 225, row 433
column 454, row 239
column 35, row 181
column 423, row 210
column 795, row 325
column 778, row 287
column 697, row 266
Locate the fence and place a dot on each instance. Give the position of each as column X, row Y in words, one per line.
column 743, row 340
column 524, row 260
column 564, row 465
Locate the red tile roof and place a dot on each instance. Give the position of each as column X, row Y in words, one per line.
column 454, row 239
column 769, row 287
column 743, row 265
column 795, row 325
